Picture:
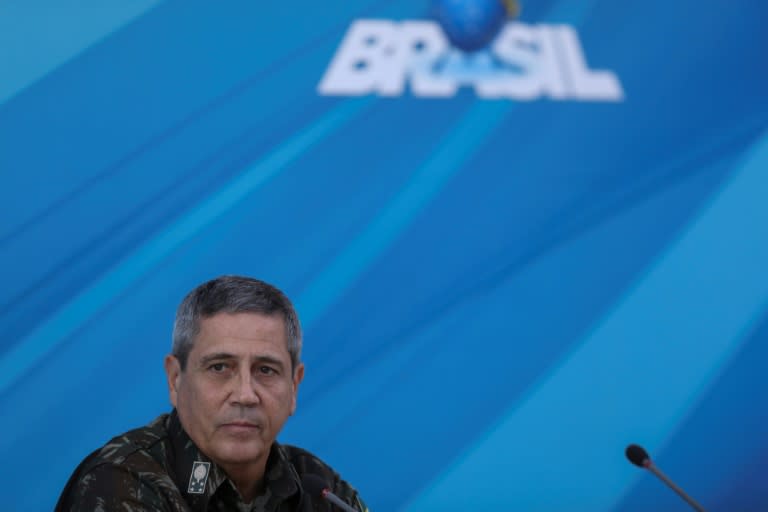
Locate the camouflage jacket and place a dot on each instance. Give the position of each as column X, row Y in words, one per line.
column 159, row 468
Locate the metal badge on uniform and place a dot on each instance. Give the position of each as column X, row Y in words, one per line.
column 198, row 478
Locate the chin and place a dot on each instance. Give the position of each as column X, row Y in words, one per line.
column 241, row 452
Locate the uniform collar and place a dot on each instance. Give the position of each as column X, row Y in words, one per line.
column 198, row 478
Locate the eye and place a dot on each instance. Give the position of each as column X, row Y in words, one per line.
column 267, row 370
column 218, row 367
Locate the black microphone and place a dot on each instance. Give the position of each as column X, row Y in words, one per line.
column 316, row 486
column 639, row 457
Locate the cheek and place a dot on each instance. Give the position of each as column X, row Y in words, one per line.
column 270, row 394
column 284, row 401
column 199, row 396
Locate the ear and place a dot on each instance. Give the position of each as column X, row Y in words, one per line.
column 173, row 374
column 298, row 375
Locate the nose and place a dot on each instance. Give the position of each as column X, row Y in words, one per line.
column 245, row 393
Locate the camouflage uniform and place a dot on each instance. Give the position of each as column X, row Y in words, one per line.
column 159, row 468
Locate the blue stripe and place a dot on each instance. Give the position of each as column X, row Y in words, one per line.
column 473, row 129
column 648, row 363
column 39, row 36
column 66, row 321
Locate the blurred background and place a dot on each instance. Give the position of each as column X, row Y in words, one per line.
column 509, row 263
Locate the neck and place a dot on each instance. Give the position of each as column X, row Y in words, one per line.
column 248, row 478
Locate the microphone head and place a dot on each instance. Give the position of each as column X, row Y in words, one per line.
column 314, row 485
column 637, row 455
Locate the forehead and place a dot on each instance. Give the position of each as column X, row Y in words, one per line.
column 242, row 329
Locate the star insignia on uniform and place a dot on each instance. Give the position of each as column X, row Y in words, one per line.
column 198, row 477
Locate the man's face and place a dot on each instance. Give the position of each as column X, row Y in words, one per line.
column 237, row 389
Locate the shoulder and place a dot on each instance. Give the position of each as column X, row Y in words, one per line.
column 305, row 462
column 145, row 439
column 139, row 450
column 108, row 486
column 128, row 468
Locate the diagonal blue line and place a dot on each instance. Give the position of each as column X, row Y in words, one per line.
column 74, row 314
column 474, row 128
column 573, row 223
column 659, row 351
column 190, row 119
column 481, row 120
column 34, row 47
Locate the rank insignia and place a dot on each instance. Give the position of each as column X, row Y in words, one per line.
column 199, row 477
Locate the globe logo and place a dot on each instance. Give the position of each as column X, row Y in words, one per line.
column 470, row 25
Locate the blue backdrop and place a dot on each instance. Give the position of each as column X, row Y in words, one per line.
column 499, row 291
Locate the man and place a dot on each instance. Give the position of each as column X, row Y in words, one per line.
column 233, row 376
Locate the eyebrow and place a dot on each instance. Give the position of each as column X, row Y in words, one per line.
column 218, row 356
column 270, row 360
column 222, row 356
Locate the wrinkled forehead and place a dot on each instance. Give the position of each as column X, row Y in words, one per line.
column 243, row 332
column 243, row 325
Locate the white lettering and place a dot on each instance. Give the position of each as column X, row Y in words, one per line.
column 368, row 61
column 585, row 84
column 426, row 44
column 530, row 49
column 524, row 63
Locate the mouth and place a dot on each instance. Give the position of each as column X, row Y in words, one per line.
column 241, row 424
column 241, row 428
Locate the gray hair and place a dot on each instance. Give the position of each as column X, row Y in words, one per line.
column 232, row 294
